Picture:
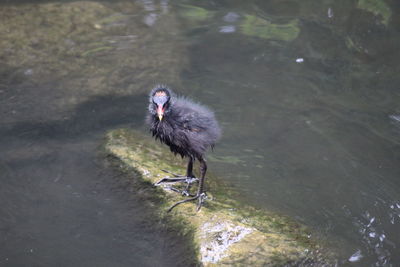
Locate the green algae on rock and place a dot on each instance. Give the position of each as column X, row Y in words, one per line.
column 376, row 7
column 194, row 12
column 258, row 27
column 226, row 232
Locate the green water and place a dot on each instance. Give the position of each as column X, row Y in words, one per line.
column 310, row 112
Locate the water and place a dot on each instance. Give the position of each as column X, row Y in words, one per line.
column 62, row 202
column 308, row 122
column 306, row 93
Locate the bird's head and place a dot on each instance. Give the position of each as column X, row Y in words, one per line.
column 160, row 101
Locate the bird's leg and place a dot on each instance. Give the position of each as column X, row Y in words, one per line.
column 201, row 195
column 200, row 192
column 189, row 169
column 189, row 173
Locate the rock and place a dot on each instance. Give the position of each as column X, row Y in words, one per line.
column 226, row 232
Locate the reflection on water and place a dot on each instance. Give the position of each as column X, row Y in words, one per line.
column 372, row 230
column 307, row 94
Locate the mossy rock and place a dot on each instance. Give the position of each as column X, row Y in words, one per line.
column 261, row 28
column 194, row 13
column 226, row 232
column 378, row 8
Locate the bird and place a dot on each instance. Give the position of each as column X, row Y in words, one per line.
column 189, row 129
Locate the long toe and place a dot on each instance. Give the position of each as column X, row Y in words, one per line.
column 180, row 179
column 186, row 193
column 169, row 181
column 183, row 201
column 201, row 198
column 189, row 182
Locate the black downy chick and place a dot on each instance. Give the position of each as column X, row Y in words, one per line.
column 189, row 129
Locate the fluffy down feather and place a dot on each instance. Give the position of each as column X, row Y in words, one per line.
column 188, row 128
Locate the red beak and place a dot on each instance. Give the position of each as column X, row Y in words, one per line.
column 160, row 112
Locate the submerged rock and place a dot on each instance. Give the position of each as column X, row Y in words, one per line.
column 378, row 8
column 63, row 54
column 261, row 28
column 226, row 232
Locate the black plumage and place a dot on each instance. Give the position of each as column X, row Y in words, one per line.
column 188, row 128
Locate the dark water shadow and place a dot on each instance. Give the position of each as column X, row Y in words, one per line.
column 64, row 203
column 97, row 114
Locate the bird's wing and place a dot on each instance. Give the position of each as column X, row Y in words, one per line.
column 193, row 117
column 192, row 121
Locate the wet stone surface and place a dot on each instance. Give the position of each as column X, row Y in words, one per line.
column 225, row 231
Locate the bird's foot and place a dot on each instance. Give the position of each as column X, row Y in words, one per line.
column 183, row 179
column 178, row 179
column 199, row 197
column 186, row 192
